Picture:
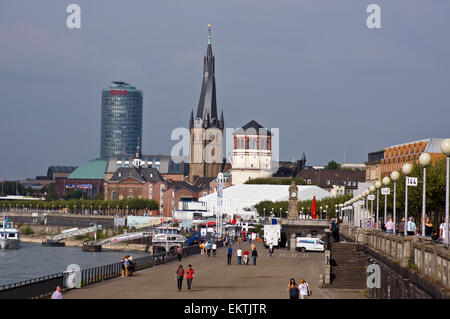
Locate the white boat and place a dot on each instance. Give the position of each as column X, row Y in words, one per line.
column 168, row 234
column 9, row 236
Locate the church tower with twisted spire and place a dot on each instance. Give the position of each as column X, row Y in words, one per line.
column 206, row 146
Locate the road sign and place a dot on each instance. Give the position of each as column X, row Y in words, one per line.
column 411, row 181
column 371, row 197
column 385, row 191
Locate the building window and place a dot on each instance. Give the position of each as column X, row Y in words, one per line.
column 113, row 195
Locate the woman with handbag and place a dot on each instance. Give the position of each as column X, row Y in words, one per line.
column 304, row 289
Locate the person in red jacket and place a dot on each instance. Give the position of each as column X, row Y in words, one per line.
column 246, row 257
column 189, row 276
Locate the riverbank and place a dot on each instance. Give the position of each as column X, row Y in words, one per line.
column 79, row 243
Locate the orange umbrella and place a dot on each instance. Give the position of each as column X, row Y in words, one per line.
column 313, row 208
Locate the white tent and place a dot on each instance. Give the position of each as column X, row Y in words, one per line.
column 241, row 198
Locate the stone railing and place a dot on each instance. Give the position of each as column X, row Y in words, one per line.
column 412, row 252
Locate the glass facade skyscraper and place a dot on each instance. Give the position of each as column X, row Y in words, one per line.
column 121, row 120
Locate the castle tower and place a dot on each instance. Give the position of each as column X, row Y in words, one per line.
column 206, row 144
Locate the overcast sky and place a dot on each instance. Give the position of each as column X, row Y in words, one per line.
column 309, row 67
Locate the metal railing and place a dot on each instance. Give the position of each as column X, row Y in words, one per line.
column 44, row 286
column 33, row 288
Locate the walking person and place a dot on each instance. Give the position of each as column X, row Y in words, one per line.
column 443, row 231
column 304, row 289
column 209, row 246
column 239, row 255
column 270, row 250
column 401, row 227
column 131, row 265
column 246, row 257
column 293, row 289
column 249, row 238
column 201, row 248
column 428, row 227
column 254, row 255
column 389, row 226
column 125, row 264
column 189, row 276
column 229, row 255
column 179, row 276
column 410, row 227
column 57, row 294
column 214, row 249
column 179, row 253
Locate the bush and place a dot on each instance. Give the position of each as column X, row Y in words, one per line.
column 27, row 230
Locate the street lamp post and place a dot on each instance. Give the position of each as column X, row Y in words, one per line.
column 445, row 148
column 424, row 160
column 378, row 186
column 395, row 176
column 320, row 212
column 386, row 181
column 326, row 211
column 371, row 190
column 406, row 169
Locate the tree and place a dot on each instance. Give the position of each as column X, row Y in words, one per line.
column 333, row 165
column 51, row 193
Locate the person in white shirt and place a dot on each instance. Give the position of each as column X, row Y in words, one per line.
column 442, row 231
column 270, row 249
column 239, row 255
column 410, row 227
column 214, row 247
column 303, row 288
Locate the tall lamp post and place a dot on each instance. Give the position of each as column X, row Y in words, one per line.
column 424, row 160
column 395, row 176
column 445, row 148
column 378, row 186
column 372, row 189
column 386, row 181
column 406, row 169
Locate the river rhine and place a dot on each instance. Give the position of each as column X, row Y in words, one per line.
column 34, row 260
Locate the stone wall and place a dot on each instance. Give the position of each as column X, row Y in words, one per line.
column 411, row 267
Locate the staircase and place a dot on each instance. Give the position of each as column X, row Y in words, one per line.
column 348, row 266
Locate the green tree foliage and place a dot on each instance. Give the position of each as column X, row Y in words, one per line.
column 276, row 181
column 333, row 165
column 12, row 188
column 435, row 195
column 265, row 207
column 77, row 205
column 76, row 194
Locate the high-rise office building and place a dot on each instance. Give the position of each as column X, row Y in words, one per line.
column 121, row 130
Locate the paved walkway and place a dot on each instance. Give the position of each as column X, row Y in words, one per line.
column 214, row 279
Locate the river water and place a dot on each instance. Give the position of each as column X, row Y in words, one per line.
column 33, row 260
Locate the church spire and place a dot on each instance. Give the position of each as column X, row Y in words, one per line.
column 207, row 105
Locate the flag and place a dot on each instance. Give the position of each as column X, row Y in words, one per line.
column 313, row 208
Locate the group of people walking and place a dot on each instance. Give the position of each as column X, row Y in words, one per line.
column 182, row 274
column 242, row 256
column 207, row 246
column 300, row 291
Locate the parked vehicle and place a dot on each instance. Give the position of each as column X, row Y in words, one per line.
column 309, row 244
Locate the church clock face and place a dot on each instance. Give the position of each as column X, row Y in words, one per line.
column 198, row 122
column 206, row 74
column 293, row 194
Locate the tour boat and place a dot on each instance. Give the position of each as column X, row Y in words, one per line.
column 168, row 234
column 9, row 236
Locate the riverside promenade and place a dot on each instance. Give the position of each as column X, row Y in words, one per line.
column 214, row 279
